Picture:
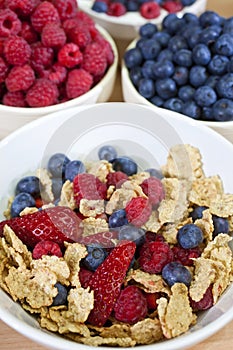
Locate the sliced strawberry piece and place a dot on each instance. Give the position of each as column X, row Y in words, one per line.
column 89, row 187
column 106, row 239
column 107, row 280
column 57, row 224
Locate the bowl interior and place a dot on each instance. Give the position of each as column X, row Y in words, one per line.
column 137, row 131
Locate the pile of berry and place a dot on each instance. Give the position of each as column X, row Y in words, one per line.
column 50, row 52
column 187, row 66
column 148, row 9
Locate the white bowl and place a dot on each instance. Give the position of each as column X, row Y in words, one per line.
column 137, row 131
column 11, row 118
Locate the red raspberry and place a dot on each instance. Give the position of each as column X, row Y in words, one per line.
column 69, row 24
column 3, row 70
column 66, row 8
column 58, row 74
column 205, row 303
column 107, row 48
column 20, row 78
column 53, row 35
column 84, row 276
column 78, row 83
column 94, row 60
column 70, row 55
column 116, row 9
column 46, row 248
column 14, row 99
column 153, row 237
column 153, row 189
column 150, row 10
column 89, row 187
column 85, row 18
column 43, row 93
column 116, row 178
column 17, row 51
column 28, row 33
column 185, row 256
column 131, row 305
column 44, row 13
column 9, row 23
column 42, row 57
column 172, row 6
column 138, row 211
column 22, row 8
column 154, row 256
column 2, row 41
column 80, row 36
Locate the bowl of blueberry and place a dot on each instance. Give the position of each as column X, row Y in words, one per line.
column 116, row 230
column 185, row 67
column 52, row 56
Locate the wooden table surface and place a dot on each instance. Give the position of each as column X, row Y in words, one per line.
column 10, row 339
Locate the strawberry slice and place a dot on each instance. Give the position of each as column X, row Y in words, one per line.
column 57, row 224
column 106, row 239
column 89, row 187
column 106, row 281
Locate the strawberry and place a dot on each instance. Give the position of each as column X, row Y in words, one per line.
column 57, row 224
column 88, row 186
column 106, row 281
column 106, row 239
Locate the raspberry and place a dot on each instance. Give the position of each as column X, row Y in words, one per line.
column 153, row 188
column 185, row 256
column 2, row 40
column 172, row 6
column 58, row 74
column 107, row 48
column 44, row 13
column 131, row 305
column 150, row 10
column 28, row 33
column 69, row 24
column 153, row 237
column 116, row 9
column 116, row 179
column 46, row 248
column 80, row 36
column 17, row 51
column 70, row 55
column 205, row 303
column 3, row 70
column 89, row 187
column 20, row 78
column 53, row 35
column 42, row 93
column 66, row 8
column 78, row 83
column 84, row 276
column 14, row 99
column 94, row 60
column 9, row 23
column 41, row 57
column 85, row 18
column 22, row 8
column 138, row 211
column 154, row 256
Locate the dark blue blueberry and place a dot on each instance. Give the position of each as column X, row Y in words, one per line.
column 57, row 184
column 223, row 110
column 224, row 45
column 150, row 49
column 61, row 297
column 187, row 2
column 201, row 54
column 189, row 236
column 224, row 86
column 228, row 26
column 205, row 96
column 218, row 65
column 209, row 18
column 197, row 76
column 162, row 38
column 125, row 164
column 181, row 75
column 157, row 101
column 132, row 6
column 230, row 65
column 209, row 35
column 207, row 114
column 174, row 272
column 192, row 110
column 177, row 42
column 191, row 18
column 132, row 233
column 147, row 30
column 20, row 202
column 183, row 58
column 186, row 93
column 163, row 69
column 118, row 219
column 135, row 75
column 221, row 225
column 194, row 35
column 197, row 212
column 74, row 168
column 174, row 104
column 29, row 184
column 140, row 42
column 147, row 69
column 164, row 55
column 168, row 20
column 57, row 164
column 155, row 173
column 133, row 57
column 100, row 7
column 107, row 152
column 212, row 81
column 96, row 254
column 172, row 23
column 166, row 88
column 146, row 87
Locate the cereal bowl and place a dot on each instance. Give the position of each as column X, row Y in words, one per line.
column 80, row 132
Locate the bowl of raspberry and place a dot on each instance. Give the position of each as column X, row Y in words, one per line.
column 184, row 67
column 52, row 56
column 116, row 230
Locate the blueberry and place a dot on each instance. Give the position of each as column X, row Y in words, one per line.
column 172, row 23
column 218, row 65
column 205, row 96
column 57, row 184
column 20, row 202
column 135, row 74
column 166, row 88
column 183, row 58
column 148, row 30
column 224, row 45
column 201, row 54
column 146, row 87
column 61, row 297
column 189, row 236
column 224, row 86
column 212, row 81
column 125, row 164
column 162, row 38
column 74, row 168
column 207, row 114
column 132, row 233
column 191, row 109
column 209, row 18
column 163, row 69
column 174, row 272
column 118, row 219
column 177, row 42
column 100, row 7
column 133, row 57
column 221, row 225
column 164, row 55
column 174, row 104
column 29, row 184
column 157, row 101
column 209, row 35
column 191, row 18
column 228, row 26
column 57, row 164
column 96, row 254
column 147, row 69
column 197, row 212
column 107, row 152
column 187, row 2
column 223, row 110
column 193, row 38
column 150, row 49
column 230, row 65
column 155, row 173
column 181, row 75
column 198, row 76
column 132, row 6
column 186, row 93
